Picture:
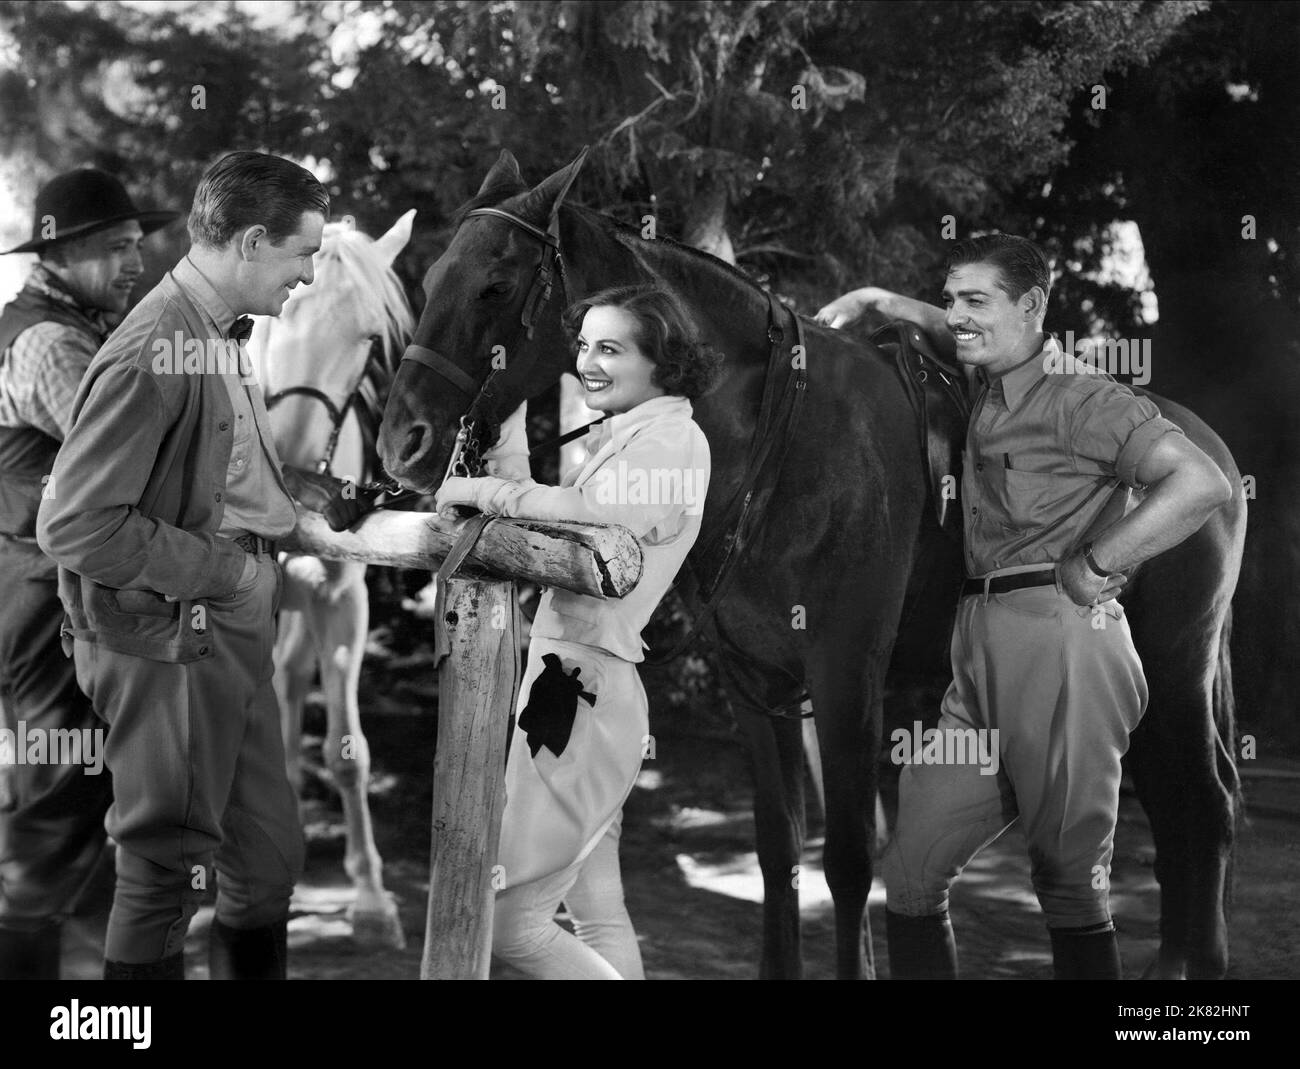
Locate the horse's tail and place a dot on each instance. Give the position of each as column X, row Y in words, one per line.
column 1225, row 724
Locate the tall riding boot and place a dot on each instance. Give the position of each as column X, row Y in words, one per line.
column 30, row 955
column 921, row 948
column 1086, row 953
column 248, row 954
column 172, row 968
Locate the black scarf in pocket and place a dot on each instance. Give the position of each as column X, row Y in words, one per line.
column 547, row 719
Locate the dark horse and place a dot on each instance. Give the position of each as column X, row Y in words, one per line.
column 843, row 533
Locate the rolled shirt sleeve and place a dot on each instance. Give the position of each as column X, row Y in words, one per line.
column 1114, row 428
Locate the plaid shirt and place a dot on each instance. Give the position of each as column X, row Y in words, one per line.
column 41, row 370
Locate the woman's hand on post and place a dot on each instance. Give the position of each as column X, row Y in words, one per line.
column 459, row 496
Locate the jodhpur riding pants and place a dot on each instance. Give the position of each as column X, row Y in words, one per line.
column 199, row 778
column 1063, row 687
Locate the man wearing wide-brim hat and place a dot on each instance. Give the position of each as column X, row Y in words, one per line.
column 53, row 794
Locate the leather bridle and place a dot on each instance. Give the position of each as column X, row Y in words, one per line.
column 338, row 414
column 550, row 268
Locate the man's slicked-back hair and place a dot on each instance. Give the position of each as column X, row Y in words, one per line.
column 1021, row 264
column 246, row 188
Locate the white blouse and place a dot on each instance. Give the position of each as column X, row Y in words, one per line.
column 646, row 469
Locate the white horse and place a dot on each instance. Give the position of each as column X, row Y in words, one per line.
column 322, row 365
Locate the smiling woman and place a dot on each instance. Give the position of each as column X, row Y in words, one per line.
column 634, row 343
column 583, row 724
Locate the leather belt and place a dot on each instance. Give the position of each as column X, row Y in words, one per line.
column 255, row 544
column 1004, row 584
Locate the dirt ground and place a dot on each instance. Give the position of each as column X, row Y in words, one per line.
column 690, row 872
column 694, row 891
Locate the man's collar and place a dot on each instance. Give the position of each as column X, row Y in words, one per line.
column 621, row 426
column 210, row 302
column 1019, row 380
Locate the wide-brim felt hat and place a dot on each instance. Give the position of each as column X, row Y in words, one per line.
column 80, row 202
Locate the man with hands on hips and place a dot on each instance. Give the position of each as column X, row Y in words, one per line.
column 1041, row 651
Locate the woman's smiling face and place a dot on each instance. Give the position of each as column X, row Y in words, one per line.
column 616, row 375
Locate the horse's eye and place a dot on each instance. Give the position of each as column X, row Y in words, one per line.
column 496, row 291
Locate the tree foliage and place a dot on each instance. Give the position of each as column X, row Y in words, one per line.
column 822, row 144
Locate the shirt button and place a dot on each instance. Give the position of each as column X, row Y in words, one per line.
column 217, row 495
column 973, row 510
column 203, row 651
column 978, row 467
column 223, row 425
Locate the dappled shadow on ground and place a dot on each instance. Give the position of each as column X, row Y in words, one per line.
column 694, row 890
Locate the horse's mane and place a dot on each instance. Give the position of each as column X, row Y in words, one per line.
column 352, row 254
column 626, row 233
column 496, row 197
column 375, row 284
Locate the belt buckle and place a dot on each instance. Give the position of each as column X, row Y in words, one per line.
column 255, row 544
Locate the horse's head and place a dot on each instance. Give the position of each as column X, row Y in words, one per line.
column 311, row 359
column 492, row 317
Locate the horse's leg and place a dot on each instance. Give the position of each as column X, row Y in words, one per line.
column 1187, row 784
column 339, row 616
column 847, row 700
column 294, row 665
column 776, row 761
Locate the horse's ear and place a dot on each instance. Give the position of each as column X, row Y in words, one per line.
column 547, row 197
column 394, row 241
column 504, row 178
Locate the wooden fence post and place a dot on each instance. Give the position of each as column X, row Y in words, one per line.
column 477, row 685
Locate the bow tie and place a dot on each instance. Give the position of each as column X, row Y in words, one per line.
column 240, row 329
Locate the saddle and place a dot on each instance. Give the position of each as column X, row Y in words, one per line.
column 937, row 391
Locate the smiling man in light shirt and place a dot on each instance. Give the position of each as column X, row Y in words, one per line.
column 167, row 500
column 1030, row 655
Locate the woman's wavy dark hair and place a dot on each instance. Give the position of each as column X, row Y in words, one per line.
column 684, row 365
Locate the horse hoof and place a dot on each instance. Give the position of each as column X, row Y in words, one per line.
column 376, row 929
